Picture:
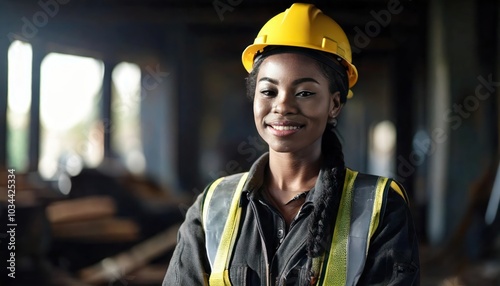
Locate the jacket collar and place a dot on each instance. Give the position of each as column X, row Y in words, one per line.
column 256, row 178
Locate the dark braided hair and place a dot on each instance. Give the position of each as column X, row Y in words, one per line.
column 323, row 218
column 324, row 214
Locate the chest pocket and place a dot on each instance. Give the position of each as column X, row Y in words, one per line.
column 243, row 275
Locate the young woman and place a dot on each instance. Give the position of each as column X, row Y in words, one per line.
column 299, row 216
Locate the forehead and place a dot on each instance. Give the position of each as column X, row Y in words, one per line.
column 290, row 64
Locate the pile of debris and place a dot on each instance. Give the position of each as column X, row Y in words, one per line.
column 107, row 230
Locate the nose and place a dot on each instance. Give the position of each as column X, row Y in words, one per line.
column 285, row 103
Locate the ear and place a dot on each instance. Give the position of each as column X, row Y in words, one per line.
column 335, row 105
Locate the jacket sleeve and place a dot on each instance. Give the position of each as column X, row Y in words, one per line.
column 189, row 263
column 393, row 257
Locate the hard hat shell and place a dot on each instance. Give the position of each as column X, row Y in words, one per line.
column 303, row 25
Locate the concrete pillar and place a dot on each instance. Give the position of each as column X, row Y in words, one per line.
column 439, row 97
column 498, row 76
column 106, row 107
column 461, row 114
column 189, row 106
column 34, row 129
column 162, row 86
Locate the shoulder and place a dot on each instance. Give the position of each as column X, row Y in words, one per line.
column 223, row 187
column 388, row 187
column 396, row 188
column 226, row 182
column 390, row 201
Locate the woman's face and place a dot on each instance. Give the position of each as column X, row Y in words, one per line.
column 292, row 103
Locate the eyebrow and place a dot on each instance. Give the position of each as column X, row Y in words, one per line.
column 295, row 82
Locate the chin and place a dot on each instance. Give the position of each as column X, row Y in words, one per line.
column 283, row 148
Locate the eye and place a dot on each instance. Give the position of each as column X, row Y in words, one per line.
column 305, row 94
column 268, row 92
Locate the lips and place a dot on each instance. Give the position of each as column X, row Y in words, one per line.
column 284, row 128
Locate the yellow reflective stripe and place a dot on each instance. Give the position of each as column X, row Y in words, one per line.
column 220, row 275
column 336, row 268
column 377, row 205
column 226, row 277
column 207, row 200
column 398, row 189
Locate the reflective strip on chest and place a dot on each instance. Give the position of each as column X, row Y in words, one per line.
column 357, row 220
column 221, row 214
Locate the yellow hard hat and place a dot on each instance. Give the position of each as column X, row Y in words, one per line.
column 304, row 25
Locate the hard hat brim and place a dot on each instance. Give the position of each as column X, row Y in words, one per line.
column 249, row 53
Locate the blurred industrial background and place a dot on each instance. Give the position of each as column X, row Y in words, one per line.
column 114, row 115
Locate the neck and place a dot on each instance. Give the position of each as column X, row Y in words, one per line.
column 293, row 172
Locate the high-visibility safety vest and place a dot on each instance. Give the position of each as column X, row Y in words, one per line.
column 357, row 220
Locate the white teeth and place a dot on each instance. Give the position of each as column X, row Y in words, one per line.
column 281, row 127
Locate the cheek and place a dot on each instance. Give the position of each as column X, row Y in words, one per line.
column 318, row 111
column 259, row 110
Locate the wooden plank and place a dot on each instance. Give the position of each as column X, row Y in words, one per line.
column 114, row 268
column 86, row 208
column 98, row 230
